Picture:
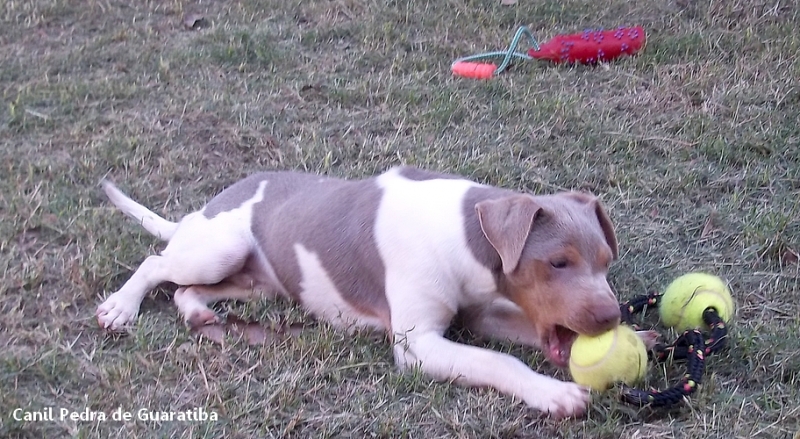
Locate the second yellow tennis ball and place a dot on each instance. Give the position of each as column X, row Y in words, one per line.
column 686, row 298
column 618, row 355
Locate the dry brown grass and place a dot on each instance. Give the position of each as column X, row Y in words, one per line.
column 693, row 145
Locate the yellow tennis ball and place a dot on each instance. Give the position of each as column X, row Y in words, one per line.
column 614, row 356
column 686, row 298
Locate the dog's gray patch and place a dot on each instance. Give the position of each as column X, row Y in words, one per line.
column 234, row 196
column 336, row 220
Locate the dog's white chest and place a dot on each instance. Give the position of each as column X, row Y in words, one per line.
column 421, row 238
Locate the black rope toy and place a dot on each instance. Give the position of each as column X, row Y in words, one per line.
column 692, row 345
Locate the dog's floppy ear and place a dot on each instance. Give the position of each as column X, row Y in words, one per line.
column 602, row 217
column 506, row 223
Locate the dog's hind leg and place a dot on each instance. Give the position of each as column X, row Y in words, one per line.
column 202, row 252
column 192, row 301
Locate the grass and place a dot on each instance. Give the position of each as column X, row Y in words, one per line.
column 693, row 145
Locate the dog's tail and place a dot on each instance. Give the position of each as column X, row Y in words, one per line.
column 157, row 226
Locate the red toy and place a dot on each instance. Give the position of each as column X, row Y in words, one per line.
column 590, row 46
column 587, row 47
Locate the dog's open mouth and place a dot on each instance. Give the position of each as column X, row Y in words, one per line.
column 558, row 344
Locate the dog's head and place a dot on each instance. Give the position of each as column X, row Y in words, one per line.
column 555, row 252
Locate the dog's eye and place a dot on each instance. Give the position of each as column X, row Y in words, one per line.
column 559, row 263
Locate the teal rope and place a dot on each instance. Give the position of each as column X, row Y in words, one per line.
column 507, row 54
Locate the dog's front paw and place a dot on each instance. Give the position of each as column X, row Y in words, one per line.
column 650, row 338
column 117, row 312
column 561, row 399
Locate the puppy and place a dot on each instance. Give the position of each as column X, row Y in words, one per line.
column 403, row 252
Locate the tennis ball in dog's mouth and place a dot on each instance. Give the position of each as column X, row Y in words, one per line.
column 618, row 355
column 686, row 298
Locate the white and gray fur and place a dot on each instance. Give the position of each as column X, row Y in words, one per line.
column 403, row 252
